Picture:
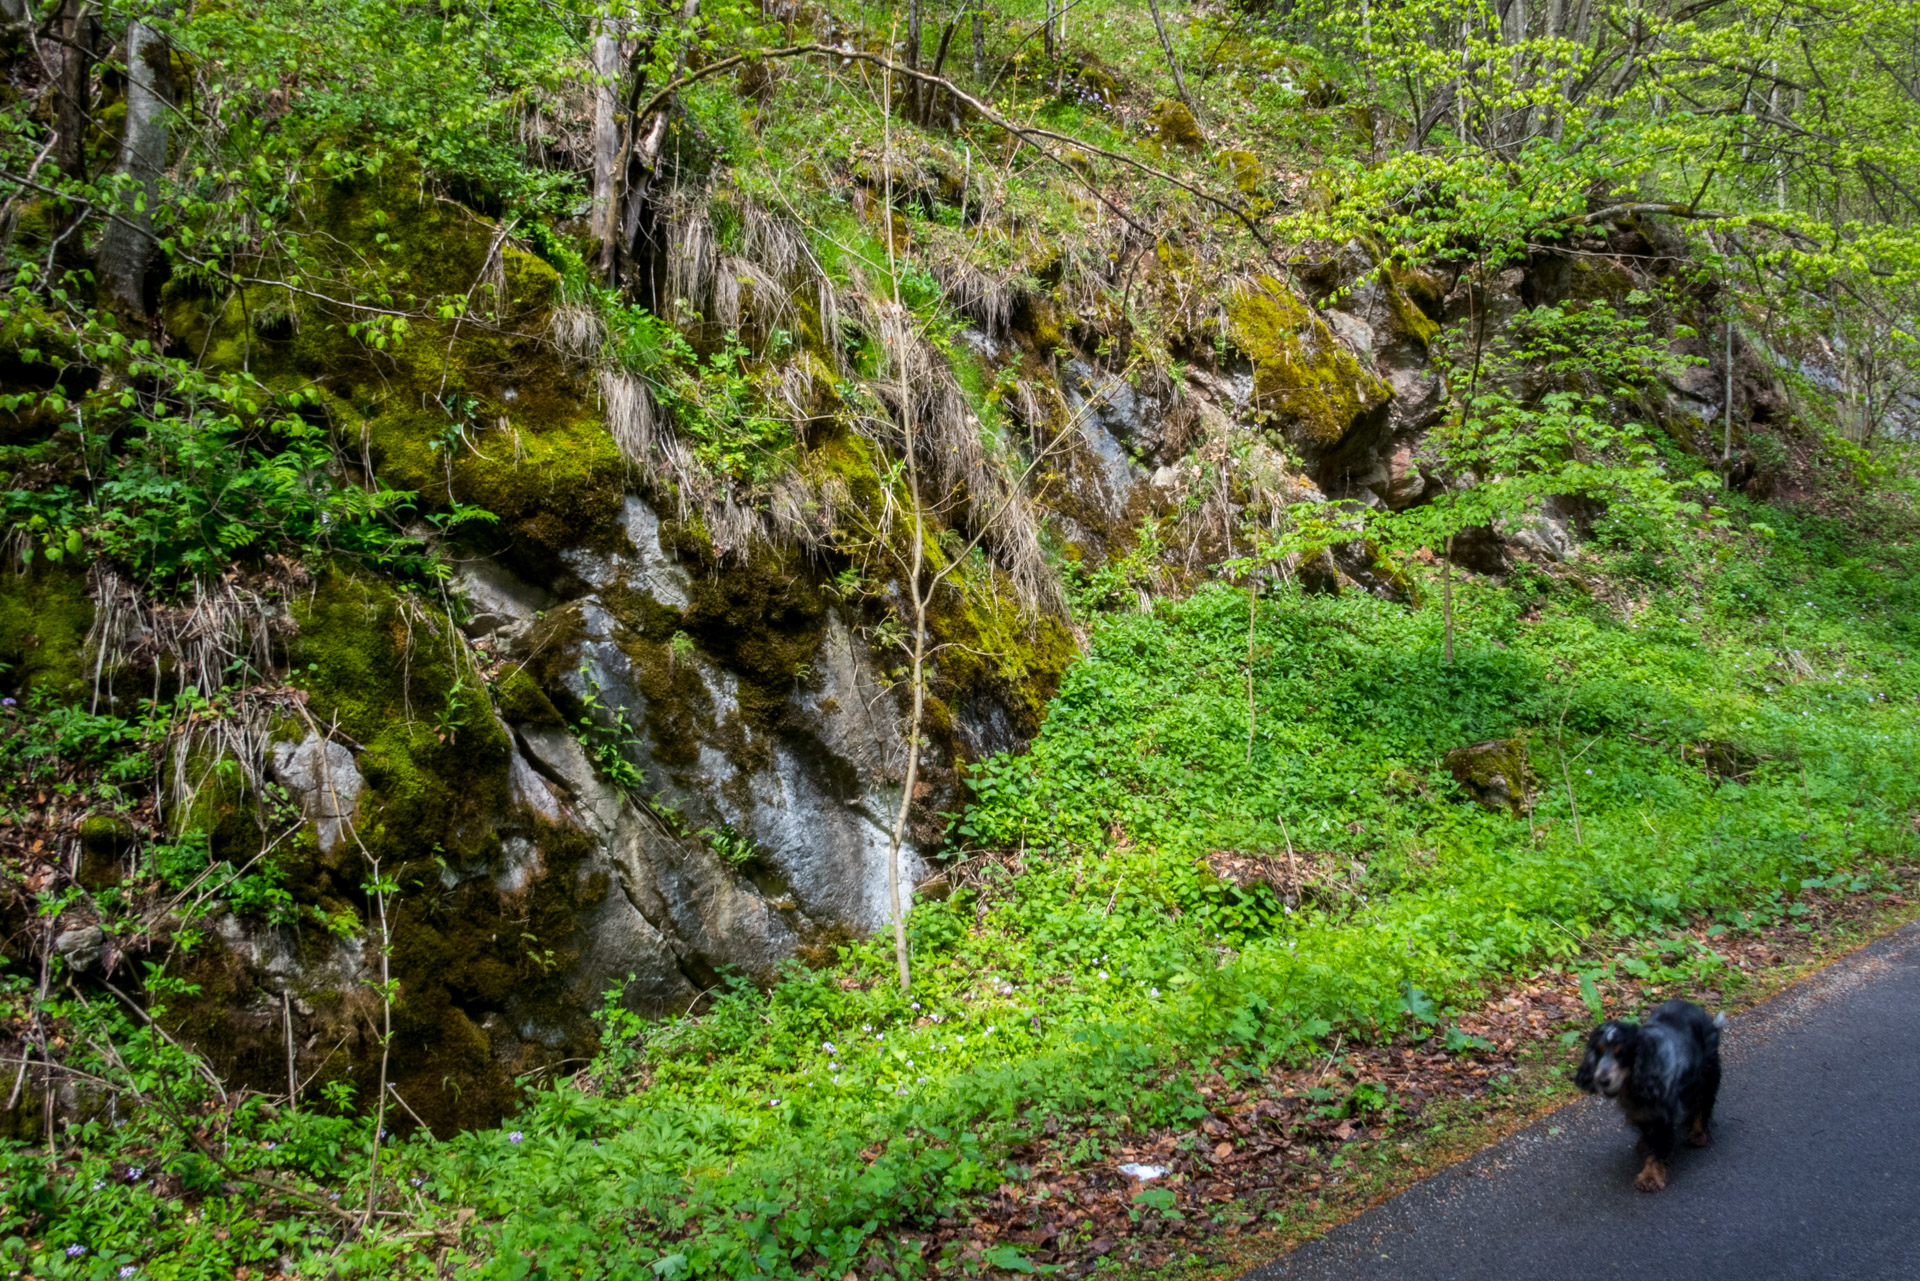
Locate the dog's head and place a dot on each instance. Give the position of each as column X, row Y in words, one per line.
column 1608, row 1063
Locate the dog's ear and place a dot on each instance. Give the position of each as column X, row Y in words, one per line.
column 1617, row 1039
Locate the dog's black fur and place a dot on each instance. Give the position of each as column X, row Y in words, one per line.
column 1664, row 1074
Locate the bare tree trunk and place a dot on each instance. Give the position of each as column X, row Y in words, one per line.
column 642, row 157
column 935, row 95
column 127, row 244
column 1179, row 82
column 606, row 144
column 979, row 45
column 915, row 572
column 73, row 58
column 1046, row 35
column 916, row 99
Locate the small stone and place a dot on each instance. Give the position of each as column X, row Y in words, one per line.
column 80, row 948
column 1142, row 1173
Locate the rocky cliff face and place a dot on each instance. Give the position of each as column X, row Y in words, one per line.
column 640, row 742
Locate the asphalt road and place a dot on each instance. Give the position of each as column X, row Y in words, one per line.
column 1814, row 1170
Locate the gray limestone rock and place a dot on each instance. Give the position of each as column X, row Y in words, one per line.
column 1547, row 533
column 499, row 604
column 324, row 781
column 80, row 948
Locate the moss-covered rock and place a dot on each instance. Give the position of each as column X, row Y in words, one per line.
column 523, row 702
column 477, row 410
column 44, row 618
column 1174, row 126
column 1494, row 773
column 1304, row 380
column 1243, row 167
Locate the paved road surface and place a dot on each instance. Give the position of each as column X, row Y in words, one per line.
column 1814, row 1171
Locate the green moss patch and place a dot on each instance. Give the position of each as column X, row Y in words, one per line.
column 1303, row 378
column 477, row 410
column 44, row 618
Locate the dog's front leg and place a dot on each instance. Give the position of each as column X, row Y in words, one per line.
column 1656, row 1141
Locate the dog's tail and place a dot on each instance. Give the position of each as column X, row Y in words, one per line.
column 1710, row 1035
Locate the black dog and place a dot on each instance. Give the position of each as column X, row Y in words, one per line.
column 1664, row 1074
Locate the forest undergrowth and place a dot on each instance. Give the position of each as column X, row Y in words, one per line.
column 1157, row 903
column 1289, row 868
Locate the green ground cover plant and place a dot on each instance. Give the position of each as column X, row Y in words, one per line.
column 377, row 320
column 796, row 1130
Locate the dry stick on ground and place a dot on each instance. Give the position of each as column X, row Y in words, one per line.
column 379, row 894
column 293, row 1078
column 1179, row 84
column 907, row 426
column 921, row 596
column 1293, row 865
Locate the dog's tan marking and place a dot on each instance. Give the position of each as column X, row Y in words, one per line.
column 1699, row 1138
column 1653, row 1176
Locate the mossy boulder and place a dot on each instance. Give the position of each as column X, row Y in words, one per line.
column 1304, row 380
column 474, row 408
column 44, row 618
column 1243, row 167
column 1174, row 126
column 105, row 840
column 1495, row 773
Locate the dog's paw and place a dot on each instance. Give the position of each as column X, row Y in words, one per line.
column 1653, row 1177
column 1699, row 1139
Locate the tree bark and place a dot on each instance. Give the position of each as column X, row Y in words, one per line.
column 979, row 45
column 73, row 58
column 637, row 157
column 1173, row 63
column 916, row 101
column 606, row 143
column 127, row 244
